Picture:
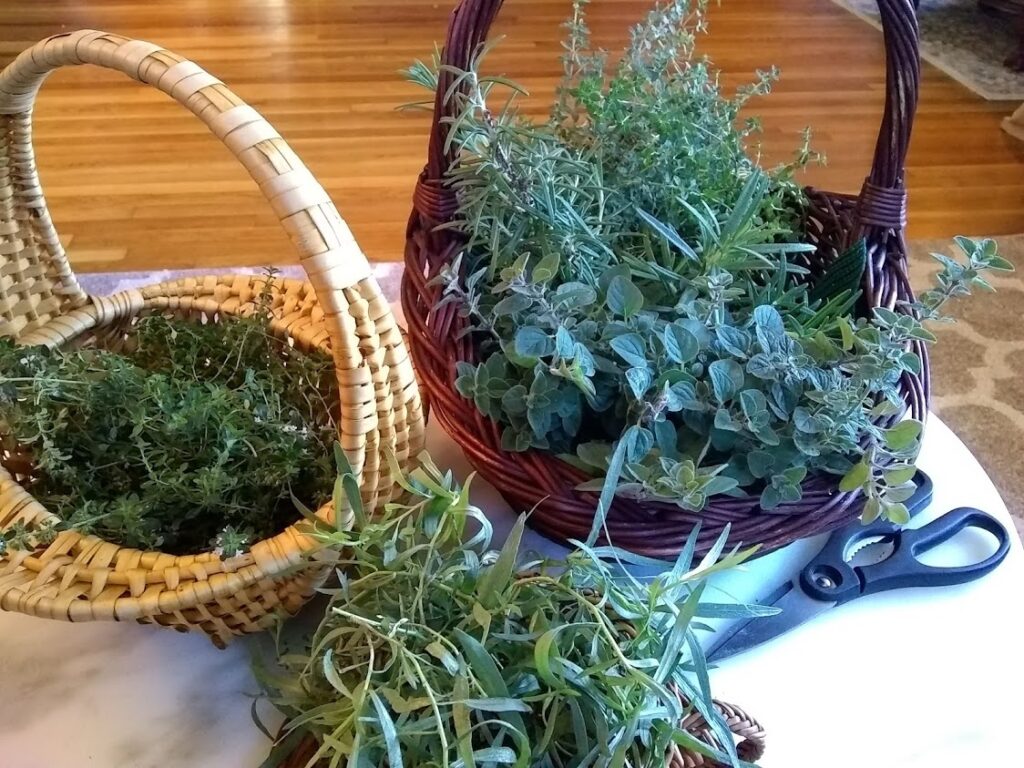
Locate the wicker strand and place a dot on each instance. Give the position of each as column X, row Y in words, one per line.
column 749, row 731
column 882, row 207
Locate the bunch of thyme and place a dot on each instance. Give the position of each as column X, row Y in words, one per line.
column 193, row 436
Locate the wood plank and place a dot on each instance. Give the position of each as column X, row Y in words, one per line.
column 135, row 183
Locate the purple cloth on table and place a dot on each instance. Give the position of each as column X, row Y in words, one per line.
column 389, row 275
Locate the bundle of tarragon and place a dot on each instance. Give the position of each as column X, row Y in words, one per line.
column 436, row 651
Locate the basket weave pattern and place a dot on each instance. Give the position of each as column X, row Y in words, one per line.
column 832, row 222
column 341, row 311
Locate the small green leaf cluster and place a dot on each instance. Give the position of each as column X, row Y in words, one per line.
column 435, row 650
column 193, row 436
column 885, row 470
column 636, row 290
column 665, row 136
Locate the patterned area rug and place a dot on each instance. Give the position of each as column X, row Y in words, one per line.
column 977, row 364
column 978, row 369
column 966, row 43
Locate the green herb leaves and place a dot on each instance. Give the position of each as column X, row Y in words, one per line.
column 681, row 345
column 636, row 281
column 533, row 343
column 902, row 436
column 435, row 651
column 726, row 379
column 196, row 436
column 631, row 349
column 624, row 298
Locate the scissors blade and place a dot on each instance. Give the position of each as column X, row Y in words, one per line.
column 797, row 607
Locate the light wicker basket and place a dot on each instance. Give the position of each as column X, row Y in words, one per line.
column 341, row 310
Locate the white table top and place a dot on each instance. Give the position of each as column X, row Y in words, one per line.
column 909, row 679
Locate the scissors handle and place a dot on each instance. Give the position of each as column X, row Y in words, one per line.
column 903, row 569
column 834, row 580
column 829, row 576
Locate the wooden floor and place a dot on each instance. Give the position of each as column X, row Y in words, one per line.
column 135, row 183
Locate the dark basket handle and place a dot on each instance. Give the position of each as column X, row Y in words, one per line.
column 467, row 31
column 882, row 202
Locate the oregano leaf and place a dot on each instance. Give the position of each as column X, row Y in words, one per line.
column 639, row 380
column 897, row 512
column 681, row 345
column 639, row 442
column 900, row 493
column 805, row 421
column 565, row 344
column 546, row 268
column 770, row 497
column 761, row 463
column 532, row 342
column 855, row 478
column 733, row 340
column 903, row 435
column 575, row 295
column 512, row 305
column 631, row 348
column 666, row 438
column 753, row 402
column 726, row 379
column 624, row 298
column 771, row 331
column 594, row 453
column 900, row 475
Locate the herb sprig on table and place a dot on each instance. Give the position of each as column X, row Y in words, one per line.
column 192, row 437
column 435, row 651
column 636, row 288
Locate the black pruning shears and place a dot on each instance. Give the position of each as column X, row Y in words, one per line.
column 861, row 560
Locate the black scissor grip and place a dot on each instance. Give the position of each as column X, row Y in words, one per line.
column 829, row 576
column 829, row 579
column 903, row 569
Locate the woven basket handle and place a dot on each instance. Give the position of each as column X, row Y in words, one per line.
column 30, row 252
column 883, row 198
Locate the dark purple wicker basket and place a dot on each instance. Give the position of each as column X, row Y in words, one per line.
column 539, row 481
